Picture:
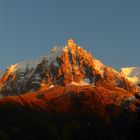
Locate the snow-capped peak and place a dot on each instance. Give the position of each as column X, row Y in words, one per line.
column 132, row 73
column 54, row 53
column 63, row 66
column 32, row 64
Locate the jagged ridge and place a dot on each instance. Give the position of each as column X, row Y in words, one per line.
column 64, row 66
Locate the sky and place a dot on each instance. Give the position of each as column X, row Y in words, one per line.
column 110, row 29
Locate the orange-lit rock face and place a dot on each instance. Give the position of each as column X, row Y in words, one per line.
column 62, row 66
column 71, row 42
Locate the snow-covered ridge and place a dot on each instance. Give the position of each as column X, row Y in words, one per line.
column 32, row 64
column 132, row 73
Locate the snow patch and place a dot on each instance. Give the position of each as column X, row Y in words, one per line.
column 53, row 49
column 12, row 68
column 132, row 74
column 81, row 83
column 99, row 66
column 51, row 86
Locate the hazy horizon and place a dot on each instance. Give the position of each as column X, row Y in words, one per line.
column 108, row 29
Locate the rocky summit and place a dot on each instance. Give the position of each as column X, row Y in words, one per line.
column 63, row 66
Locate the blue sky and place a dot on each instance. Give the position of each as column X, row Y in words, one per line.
column 110, row 29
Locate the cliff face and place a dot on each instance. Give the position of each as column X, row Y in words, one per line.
column 64, row 66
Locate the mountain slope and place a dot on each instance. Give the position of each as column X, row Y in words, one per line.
column 74, row 112
column 64, row 66
column 67, row 95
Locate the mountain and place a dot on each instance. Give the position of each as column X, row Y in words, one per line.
column 63, row 66
column 68, row 95
column 132, row 73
